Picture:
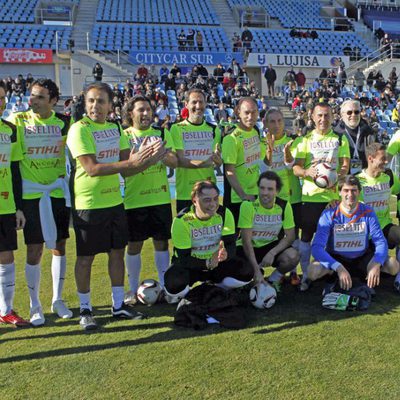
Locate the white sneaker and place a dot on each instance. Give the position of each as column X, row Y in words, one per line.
column 130, row 298
column 59, row 308
column 37, row 317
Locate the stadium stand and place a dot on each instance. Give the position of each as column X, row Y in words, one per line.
column 34, row 36
column 291, row 13
column 157, row 11
column 111, row 37
column 23, row 10
column 385, row 19
column 279, row 41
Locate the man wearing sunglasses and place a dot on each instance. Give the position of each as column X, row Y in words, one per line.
column 357, row 131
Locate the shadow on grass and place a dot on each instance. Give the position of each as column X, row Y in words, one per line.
column 293, row 310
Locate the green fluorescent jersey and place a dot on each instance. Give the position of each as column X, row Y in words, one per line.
column 266, row 223
column 197, row 142
column 10, row 150
column 150, row 187
column 105, row 142
column 202, row 237
column 394, row 144
column 376, row 193
column 316, row 148
column 43, row 147
column 290, row 183
column 245, row 151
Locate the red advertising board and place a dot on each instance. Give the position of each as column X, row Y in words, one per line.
column 26, row 56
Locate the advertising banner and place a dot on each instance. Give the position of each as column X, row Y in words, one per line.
column 26, row 56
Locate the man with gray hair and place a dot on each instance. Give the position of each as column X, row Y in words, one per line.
column 357, row 131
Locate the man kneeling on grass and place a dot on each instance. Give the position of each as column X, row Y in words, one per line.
column 267, row 231
column 204, row 245
column 349, row 241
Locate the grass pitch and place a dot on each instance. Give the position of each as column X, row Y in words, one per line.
column 296, row 350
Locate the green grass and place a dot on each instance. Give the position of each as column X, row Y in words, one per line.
column 296, row 350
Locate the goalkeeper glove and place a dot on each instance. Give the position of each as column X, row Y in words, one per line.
column 340, row 301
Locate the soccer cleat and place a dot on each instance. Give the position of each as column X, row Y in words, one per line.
column 127, row 312
column 130, row 298
column 13, row 319
column 59, row 308
column 304, row 285
column 37, row 317
column 87, row 321
column 294, row 279
column 396, row 286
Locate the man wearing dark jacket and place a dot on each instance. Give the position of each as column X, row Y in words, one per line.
column 270, row 76
column 357, row 131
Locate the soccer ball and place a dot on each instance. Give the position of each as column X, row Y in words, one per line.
column 149, row 292
column 262, row 295
column 327, row 176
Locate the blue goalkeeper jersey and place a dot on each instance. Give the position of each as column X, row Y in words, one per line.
column 348, row 235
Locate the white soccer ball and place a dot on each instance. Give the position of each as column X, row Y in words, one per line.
column 262, row 295
column 149, row 292
column 327, row 176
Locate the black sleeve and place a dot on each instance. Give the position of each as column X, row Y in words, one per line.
column 230, row 245
column 184, row 257
column 17, row 184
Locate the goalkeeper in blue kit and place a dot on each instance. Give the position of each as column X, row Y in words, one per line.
column 349, row 242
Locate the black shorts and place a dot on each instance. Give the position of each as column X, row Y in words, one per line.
column 297, row 215
column 181, row 204
column 8, row 233
column 234, row 208
column 310, row 214
column 33, row 229
column 153, row 221
column 260, row 252
column 386, row 231
column 100, row 230
column 357, row 267
column 178, row 276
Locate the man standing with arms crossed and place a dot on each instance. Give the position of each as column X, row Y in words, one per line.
column 43, row 134
column 11, row 216
column 101, row 151
column 319, row 146
column 197, row 147
column 147, row 198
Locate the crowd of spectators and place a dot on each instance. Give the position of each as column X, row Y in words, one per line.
column 19, row 86
column 191, row 41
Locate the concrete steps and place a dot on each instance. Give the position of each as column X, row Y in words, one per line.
column 86, row 18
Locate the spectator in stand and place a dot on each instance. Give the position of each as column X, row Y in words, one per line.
column 380, row 84
column 370, row 79
column 180, row 93
column 396, row 113
column 78, row 107
column 161, row 110
column 17, row 88
column 19, row 106
column 379, row 34
column 182, row 41
column 199, row 41
column 300, row 80
column 359, row 79
column 296, row 103
column 190, row 40
column 323, row 75
column 221, row 114
column 142, row 72
column 219, row 72
column 170, row 83
column 393, row 79
column 247, row 38
column 270, row 77
column 263, row 111
column 164, row 71
column 175, row 69
column 235, row 69
column 97, row 72
column 237, row 43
